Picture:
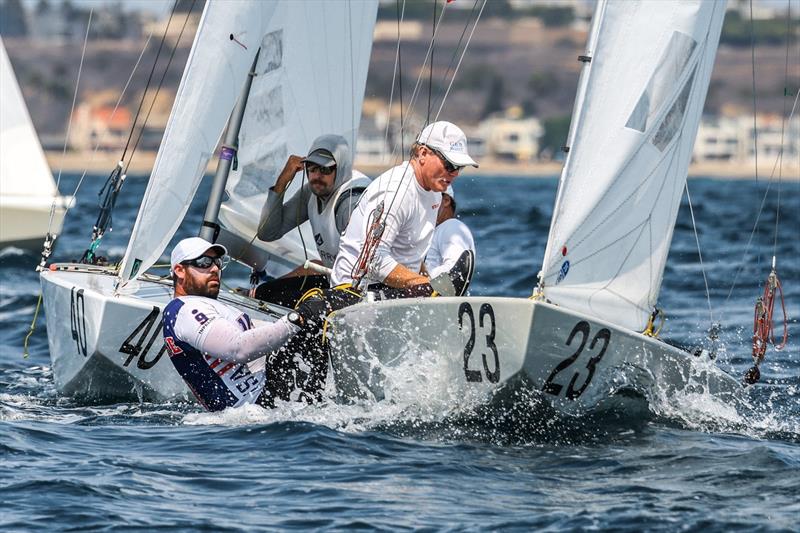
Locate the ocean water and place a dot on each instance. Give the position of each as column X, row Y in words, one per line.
column 683, row 461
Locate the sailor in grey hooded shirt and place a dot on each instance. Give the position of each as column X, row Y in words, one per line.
column 326, row 198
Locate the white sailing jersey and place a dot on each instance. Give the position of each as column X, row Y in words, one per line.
column 323, row 224
column 217, row 382
column 450, row 240
column 409, row 212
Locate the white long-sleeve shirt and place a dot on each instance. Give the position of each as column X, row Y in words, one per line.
column 450, row 240
column 211, row 343
column 410, row 217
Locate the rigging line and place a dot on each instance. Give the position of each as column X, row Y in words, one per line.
column 753, row 76
column 699, row 253
column 430, row 73
column 149, row 79
column 430, row 52
column 298, row 223
column 400, row 74
column 399, row 65
column 761, row 207
column 394, row 79
column 353, row 125
column 105, row 133
column 460, row 40
column 158, row 89
column 71, row 111
column 416, row 90
column 414, row 93
column 458, row 66
column 428, row 55
column 783, row 124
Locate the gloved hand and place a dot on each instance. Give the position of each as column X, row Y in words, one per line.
column 313, row 309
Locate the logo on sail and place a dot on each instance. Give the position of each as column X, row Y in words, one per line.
column 563, row 273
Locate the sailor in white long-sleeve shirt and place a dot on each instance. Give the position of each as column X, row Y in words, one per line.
column 217, row 349
column 389, row 233
column 450, row 239
column 409, row 196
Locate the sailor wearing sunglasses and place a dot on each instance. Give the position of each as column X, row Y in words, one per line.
column 217, row 349
column 406, row 198
column 326, row 199
column 383, row 247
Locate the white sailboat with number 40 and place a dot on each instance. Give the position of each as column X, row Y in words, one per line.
column 111, row 347
column 645, row 76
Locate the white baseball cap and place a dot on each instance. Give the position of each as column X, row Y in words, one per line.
column 449, row 192
column 449, row 140
column 192, row 248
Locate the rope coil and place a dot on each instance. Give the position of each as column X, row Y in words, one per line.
column 764, row 325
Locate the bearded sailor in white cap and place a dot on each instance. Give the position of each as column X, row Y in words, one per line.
column 213, row 345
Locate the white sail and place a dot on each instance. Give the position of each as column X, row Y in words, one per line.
column 631, row 145
column 225, row 45
column 27, row 189
column 23, row 167
column 309, row 81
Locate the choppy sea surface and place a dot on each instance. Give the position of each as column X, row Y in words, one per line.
column 683, row 461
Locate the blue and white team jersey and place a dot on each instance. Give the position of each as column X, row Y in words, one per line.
column 216, row 383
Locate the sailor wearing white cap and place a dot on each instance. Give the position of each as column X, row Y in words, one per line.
column 410, row 195
column 390, row 231
column 211, row 343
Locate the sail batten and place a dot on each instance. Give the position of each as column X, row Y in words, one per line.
column 631, row 142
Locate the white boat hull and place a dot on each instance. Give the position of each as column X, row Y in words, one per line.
column 459, row 351
column 107, row 348
column 24, row 221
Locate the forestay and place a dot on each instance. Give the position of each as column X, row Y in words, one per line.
column 23, row 167
column 225, row 45
column 632, row 135
column 310, row 79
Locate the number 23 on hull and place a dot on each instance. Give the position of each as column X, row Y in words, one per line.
column 451, row 347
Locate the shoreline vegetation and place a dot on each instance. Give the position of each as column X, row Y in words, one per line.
column 142, row 163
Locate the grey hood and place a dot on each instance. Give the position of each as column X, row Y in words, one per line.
column 338, row 147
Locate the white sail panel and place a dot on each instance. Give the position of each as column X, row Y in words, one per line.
column 23, row 168
column 310, row 81
column 225, row 45
column 631, row 146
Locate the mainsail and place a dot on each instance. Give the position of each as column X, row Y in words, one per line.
column 634, row 126
column 224, row 47
column 310, row 81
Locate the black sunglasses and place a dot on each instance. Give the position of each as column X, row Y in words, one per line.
column 205, row 261
column 325, row 171
column 448, row 166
